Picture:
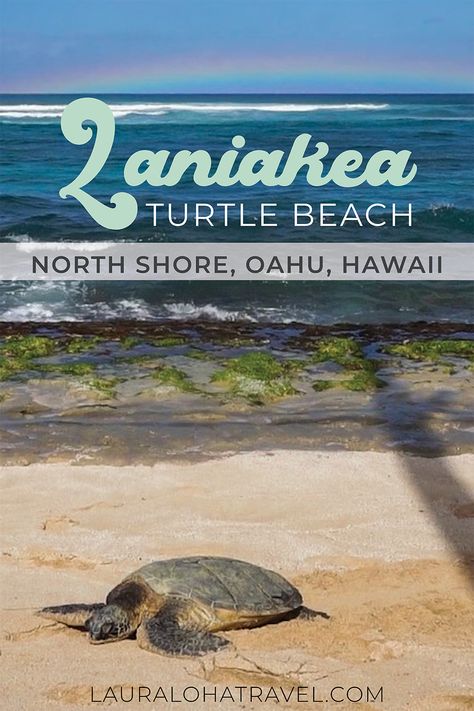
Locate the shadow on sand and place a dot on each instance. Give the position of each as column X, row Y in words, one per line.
column 445, row 497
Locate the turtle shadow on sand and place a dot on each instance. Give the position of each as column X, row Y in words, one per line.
column 176, row 606
column 439, row 490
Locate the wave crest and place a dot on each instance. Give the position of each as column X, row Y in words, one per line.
column 35, row 111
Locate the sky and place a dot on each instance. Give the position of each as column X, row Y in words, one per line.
column 236, row 46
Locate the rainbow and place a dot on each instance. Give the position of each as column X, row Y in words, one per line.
column 277, row 74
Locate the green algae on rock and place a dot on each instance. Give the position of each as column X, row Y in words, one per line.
column 17, row 354
column 82, row 344
column 321, row 385
column 363, row 381
column 257, row 376
column 257, row 365
column 198, row 354
column 237, row 341
column 433, row 349
column 141, row 358
column 106, row 386
column 27, row 347
column 78, row 369
column 339, row 349
column 347, row 353
column 129, row 342
column 10, row 367
column 174, row 377
column 169, row 341
column 295, row 365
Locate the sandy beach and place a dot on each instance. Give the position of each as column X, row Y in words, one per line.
column 381, row 542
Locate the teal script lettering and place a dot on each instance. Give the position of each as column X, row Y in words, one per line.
column 257, row 166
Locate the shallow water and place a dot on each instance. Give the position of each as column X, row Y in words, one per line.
column 424, row 407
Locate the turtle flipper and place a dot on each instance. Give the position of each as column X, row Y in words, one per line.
column 71, row 615
column 306, row 613
column 164, row 637
column 167, row 633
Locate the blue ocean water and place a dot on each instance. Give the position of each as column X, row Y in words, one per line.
column 37, row 161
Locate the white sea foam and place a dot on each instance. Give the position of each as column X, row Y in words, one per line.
column 29, row 312
column 31, row 246
column 207, row 311
column 125, row 308
column 192, row 311
column 48, row 307
column 13, row 237
column 32, row 111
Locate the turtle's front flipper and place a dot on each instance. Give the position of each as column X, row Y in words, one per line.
column 71, row 615
column 168, row 633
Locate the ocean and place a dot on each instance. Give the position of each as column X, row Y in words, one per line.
column 37, row 161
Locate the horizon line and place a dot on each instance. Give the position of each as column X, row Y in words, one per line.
column 245, row 93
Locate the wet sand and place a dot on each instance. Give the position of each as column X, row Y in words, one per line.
column 381, row 542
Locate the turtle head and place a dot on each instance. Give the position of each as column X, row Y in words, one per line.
column 108, row 624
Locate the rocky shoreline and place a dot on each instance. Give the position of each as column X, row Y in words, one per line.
column 118, row 328
column 124, row 392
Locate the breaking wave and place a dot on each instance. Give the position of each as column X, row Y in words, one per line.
column 51, row 301
column 207, row 311
column 41, row 111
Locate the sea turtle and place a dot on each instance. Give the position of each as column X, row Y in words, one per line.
column 175, row 606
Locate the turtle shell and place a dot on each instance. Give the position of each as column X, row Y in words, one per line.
column 222, row 583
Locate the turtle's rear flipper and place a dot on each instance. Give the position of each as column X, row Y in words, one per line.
column 305, row 613
column 164, row 634
column 71, row 615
